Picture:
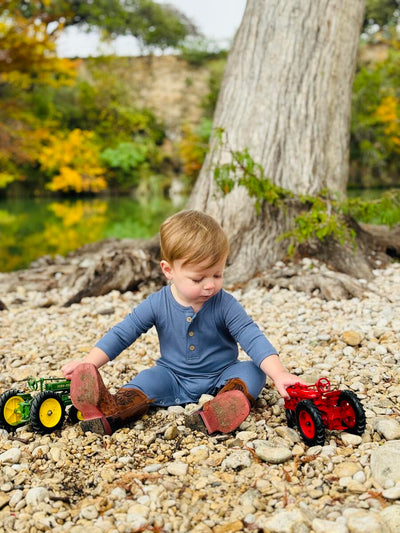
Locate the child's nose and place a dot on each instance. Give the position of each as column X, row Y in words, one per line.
column 209, row 284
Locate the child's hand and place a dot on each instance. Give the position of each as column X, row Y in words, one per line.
column 69, row 368
column 284, row 380
column 273, row 368
column 95, row 357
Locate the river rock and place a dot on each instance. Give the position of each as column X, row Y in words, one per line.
column 387, row 427
column 11, row 456
column 237, row 459
column 391, row 517
column 352, row 338
column 36, row 496
column 385, row 462
column 362, row 521
column 327, row 526
column 275, row 455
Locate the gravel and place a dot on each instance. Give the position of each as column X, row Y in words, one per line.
column 157, row 475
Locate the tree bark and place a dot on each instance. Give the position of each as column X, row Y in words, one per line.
column 286, row 97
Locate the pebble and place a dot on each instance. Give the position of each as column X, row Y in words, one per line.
column 352, row 338
column 275, row 455
column 156, row 475
column 237, row 459
column 11, row 456
column 177, row 469
column 387, row 427
column 36, row 496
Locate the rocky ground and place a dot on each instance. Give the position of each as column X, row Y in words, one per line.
column 157, row 475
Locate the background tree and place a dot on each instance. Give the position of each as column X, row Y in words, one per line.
column 43, row 102
column 381, row 16
column 286, row 99
column 154, row 25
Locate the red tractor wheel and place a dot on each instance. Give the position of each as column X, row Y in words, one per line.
column 290, row 418
column 352, row 412
column 310, row 423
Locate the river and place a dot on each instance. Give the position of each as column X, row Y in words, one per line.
column 30, row 228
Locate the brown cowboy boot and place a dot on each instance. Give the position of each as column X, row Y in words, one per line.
column 230, row 407
column 102, row 411
column 237, row 384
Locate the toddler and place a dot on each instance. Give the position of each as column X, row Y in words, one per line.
column 199, row 326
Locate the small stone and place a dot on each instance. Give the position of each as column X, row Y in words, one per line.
column 171, row 433
column 11, row 456
column 16, row 497
column 385, row 462
column 136, row 521
column 6, row 487
column 89, row 513
column 36, row 496
column 326, row 526
column 150, row 438
column 153, row 468
column 199, row 454
column 391, row 517
column 245, row 436
column 392, row 493
column 352, row 338
column 177, row 469
column 118, row 493
column 4, row 500
column 232, row 527
column 139, row 509
column 349, row 439
column 387, row 427
column 360, row 521
column 274, row 455
column 237, row 459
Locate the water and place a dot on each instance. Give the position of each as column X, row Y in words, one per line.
column 30, row 228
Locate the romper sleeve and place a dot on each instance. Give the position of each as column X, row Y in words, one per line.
column 123, row 334
column 245, row 331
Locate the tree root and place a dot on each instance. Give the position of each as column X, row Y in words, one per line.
column 128, row 264
column 323, row 283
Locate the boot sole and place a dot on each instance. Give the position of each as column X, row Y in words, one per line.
column 101, row 426
column 224, row 413
column 88, row 392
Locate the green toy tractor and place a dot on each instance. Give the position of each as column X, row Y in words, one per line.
column 45, row 411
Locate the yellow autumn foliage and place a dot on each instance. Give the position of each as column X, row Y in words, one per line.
column 72, row 214
column 388, row 114
column 80, row 222
column 74, row 159
column 28, row 55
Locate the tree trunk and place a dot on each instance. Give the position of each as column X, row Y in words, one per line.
column 286, row 97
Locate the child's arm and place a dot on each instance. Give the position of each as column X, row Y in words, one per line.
column 272, row 367
column 96, row 356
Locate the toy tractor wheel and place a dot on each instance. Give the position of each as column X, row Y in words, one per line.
column 310, row 423
column 290, row 418
column 74, row 415
column 353, row 415
column 47, row 412
column 10, row 417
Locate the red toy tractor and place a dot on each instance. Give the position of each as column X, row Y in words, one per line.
column 316, row 407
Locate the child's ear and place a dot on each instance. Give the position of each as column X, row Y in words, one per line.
column 166, row 269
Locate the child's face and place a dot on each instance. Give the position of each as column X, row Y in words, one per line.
column 194, row 284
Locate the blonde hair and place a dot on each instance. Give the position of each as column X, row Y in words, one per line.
column 194, row 237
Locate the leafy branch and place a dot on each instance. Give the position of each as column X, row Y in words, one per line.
column 320, row 216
